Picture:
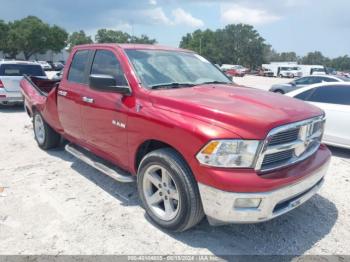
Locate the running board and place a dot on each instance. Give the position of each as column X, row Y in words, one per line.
column 98, row 163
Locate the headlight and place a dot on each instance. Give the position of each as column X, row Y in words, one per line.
column 229, row 153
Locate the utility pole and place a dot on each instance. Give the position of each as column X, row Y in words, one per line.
column 200, row 45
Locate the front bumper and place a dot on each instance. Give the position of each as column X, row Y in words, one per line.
column 219, row 205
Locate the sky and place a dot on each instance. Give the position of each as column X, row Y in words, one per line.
column 288, row 25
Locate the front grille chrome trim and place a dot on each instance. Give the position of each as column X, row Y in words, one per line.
column 265, row 149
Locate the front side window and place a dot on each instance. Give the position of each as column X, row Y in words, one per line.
column 78, row 67
column 335, row 94
column 304, row 95
column 303, row 81
column 106, row 63
column 20, row 70
column 157, row 67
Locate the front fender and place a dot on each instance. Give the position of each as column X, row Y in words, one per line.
column 185, row 134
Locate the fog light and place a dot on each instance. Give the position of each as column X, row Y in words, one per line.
column 247, row 202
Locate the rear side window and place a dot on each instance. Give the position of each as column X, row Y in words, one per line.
column 328, row 79
column 20, row 70
column 335, row 94
column 106, row 63
column 78, row 67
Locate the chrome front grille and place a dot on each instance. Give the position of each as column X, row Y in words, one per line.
column 289, row 144
column 284, row 137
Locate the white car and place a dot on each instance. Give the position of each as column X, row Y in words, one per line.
column 334, row 99
column 289, row 71
column 11, row 73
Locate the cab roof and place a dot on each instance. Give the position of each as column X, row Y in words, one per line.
column 134, row 46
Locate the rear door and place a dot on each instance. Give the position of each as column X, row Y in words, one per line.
column 12, row 74
column 69, row 95
column 335, row 101
column 105, row 113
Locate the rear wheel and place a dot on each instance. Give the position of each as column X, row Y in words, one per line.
column 168, row 190
column 45, row 136
column 281, row 76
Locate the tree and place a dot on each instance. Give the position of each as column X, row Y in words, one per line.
column 112, row 36
column 30, row 35
column 57, row 38
column 340, row 63
column 144, row 39
column 78, row 38
column 235, row 44
column 4, row 29
column 314, row 58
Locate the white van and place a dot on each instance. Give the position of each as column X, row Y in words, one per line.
column 308, row 70
column 290, row 70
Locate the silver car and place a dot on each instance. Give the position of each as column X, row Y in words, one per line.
column 11, row 73
column 306, row 81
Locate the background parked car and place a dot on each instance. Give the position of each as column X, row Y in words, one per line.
column 290, row 72
column 11, row 73
column 233, row 70
column 57, row 66
column 45, row 65
column 305, row 81
column 334, row 99
column 58, row 75
column 265, row 72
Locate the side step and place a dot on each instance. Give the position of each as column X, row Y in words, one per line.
column 98, row 163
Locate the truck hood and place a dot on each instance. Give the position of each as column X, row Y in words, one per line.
column 249, row 113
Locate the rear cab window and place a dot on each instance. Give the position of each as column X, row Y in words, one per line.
column 21, row 69
column 78, row 67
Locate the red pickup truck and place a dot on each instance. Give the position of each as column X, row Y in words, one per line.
column 196, row 143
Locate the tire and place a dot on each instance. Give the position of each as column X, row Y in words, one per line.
column 292, row 76
column 188, row 210
column 281, row 76
column 44, row 135
column 279, row 91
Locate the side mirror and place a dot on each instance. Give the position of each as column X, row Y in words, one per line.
column 107, row 83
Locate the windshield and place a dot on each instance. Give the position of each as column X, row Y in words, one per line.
column 157, row 67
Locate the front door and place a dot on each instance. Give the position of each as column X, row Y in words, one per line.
column 104, row 113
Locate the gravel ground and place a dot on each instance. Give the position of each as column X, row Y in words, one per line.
column 51, row 203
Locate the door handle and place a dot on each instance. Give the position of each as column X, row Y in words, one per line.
column 87, row 99
column 62, row 93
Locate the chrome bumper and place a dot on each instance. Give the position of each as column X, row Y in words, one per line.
column 219, row 205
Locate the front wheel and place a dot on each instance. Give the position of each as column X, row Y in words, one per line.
column 168, row 190
column 45, row 136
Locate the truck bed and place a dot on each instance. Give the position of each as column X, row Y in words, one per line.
column 40, row 94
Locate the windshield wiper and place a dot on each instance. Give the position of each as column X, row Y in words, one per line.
column 214, row 82
column 171, row 85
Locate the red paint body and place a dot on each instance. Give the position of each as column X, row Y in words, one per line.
column 184, row 118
